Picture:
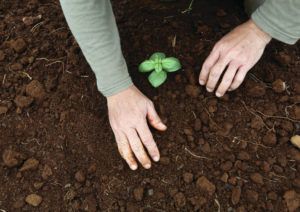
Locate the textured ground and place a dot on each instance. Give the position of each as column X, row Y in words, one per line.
column 57, row 149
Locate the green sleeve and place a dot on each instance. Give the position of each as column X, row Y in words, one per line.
column 93, row 25
column 280, row 19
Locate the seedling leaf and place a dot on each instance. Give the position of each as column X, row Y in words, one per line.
column 157, row 78
column 146, row 66
column 171, row 64
column 157, row 55
column 158, row 67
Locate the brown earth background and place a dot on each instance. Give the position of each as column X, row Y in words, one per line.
column 58, row 151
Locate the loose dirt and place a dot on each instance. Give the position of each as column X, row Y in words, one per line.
column 57, row 149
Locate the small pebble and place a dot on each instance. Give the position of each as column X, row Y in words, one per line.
column 34, row 199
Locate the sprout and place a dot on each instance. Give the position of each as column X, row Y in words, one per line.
column 161, row 65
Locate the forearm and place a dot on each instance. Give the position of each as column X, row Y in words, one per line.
column 280, row 19
column 93, row 25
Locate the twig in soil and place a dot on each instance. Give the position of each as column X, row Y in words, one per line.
column 36, row 26
column 48, row 60
column 268, row 116
column 236, row 138
column 194, row 114
column 24, row 73
column 293, row 168
column 279, row 117
column 289, row 106
column 2, row 210
column 189, row 9
column 253, row 113
column 239, row 178
column 218, row 204
column 276, row 175
column 174, row 42
column 84, row 76
column 42, row 58
column 256, row 79
column 196, row 156
column 56, row 30
column 4, row 78
column 57, row 61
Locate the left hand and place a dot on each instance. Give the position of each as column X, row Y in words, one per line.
column 236, row 53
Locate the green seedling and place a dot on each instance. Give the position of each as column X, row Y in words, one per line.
column 159, row 64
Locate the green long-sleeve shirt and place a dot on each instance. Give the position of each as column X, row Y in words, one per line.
column 92, row 23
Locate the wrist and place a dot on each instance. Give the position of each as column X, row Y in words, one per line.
column 123, row 92
column 265, row 37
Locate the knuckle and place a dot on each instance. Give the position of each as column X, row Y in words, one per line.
column 218, row 46
column 151, row 103
column 227, row 80
column 238, row 80
column 221, row 45
column 147, row 142
column 214, row 74
column 144, row 160
column 234, row 52
column 206, row 66
column 135, row 149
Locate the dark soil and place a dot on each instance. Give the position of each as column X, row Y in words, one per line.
column 57, row 149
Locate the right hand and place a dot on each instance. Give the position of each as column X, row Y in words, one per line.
column 128, row 113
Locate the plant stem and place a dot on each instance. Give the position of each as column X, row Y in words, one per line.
column 189, row 8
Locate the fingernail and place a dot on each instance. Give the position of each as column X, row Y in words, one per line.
column 229, row 89
column 201, row 82
column 161, row 125
column 148, row 166
column 209, row 89
column 133, row 167
column 156, row 158
column 218, row 94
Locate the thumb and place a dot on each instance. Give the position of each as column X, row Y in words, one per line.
column 154, row 119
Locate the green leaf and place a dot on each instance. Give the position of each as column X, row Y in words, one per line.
column 171, row 64
column 158, row 67
column 146, row 66
column 157, row 78
column 157, row 55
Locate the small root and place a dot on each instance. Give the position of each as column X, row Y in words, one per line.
column 196, row 156
column 4, row 78
column 286, row 109
column 174, row 42
column 57, row 61
column 56, row 30
column 36, row 26
column 254, row 112
column 189, row 9
column 194, row 114
column 218, row 204
column 25, row 74
column 236, row 138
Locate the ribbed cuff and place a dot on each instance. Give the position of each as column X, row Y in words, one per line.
column 118, row 87
column 267, row 27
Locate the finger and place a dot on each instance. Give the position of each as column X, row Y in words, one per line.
column 227, row 79
column 208, row 63
column 138, row 149
column 239, row 78
column 148, row 141
column 154, row 119
column 125, row 150
column 215, row 73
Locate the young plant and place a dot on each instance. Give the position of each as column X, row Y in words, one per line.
column 161, row 65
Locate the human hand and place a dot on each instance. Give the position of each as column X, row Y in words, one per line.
column 128, row 113
column 236, row 53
